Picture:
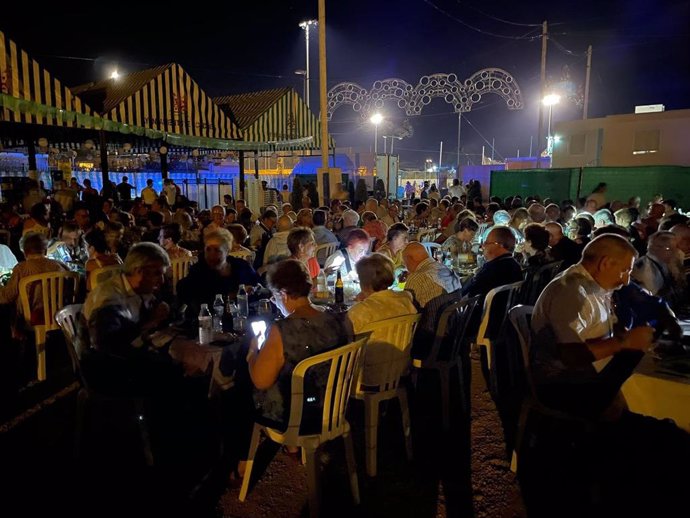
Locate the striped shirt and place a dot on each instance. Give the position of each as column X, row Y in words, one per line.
column 430, row 280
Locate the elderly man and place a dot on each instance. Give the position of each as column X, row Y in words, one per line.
column 579, row 365
column 500, row 267
column 276, row 247
column 263, row 230
column 34, row 246
column 562, row 247
column 661, row 270
column 350, row 221
column 428, row 278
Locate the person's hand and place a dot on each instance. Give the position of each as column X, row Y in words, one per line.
column 160, row 313
column 253, row 348
column 638, row 338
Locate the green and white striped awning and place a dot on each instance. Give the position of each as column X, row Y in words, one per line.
column 163, row 98
column 273, row 115
column 24, row 80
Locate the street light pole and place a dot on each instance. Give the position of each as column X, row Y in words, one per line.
column 550, row 100
column 376, row 119
column 306, row 25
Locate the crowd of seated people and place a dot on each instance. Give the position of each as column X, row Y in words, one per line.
column 605, row 249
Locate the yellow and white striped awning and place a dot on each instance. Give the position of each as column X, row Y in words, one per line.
column 163, row 98
column 22, row 78
column 273, row 115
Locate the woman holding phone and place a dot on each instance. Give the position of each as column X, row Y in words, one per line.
column 305, row 331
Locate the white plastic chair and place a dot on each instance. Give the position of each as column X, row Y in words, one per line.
column 180, row 269
column 54, row 296
column 344, row 368
column 324, row 251
column 488, row 326
column 67, row 319
column 386, row 359
column 452, row 325
column 100, row 275
column 430, row 247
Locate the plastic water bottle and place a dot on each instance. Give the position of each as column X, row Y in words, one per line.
column 205, row 325
column 242, row 302
column 230, row 315
column 218, row 309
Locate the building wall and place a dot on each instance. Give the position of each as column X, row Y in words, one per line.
column 624, row 140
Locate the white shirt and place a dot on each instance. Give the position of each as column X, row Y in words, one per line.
column 276, row 248
column 380, row 306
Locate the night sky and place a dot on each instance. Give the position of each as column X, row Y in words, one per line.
column 641, row 55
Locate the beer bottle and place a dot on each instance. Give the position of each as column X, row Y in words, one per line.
column 339, row 290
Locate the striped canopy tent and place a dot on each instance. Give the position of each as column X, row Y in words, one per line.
column 163, row 99
column 273, row 116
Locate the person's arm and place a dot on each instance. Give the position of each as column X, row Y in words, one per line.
column 638, row 338
column 265, row 364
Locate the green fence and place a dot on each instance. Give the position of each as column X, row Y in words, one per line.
column 673, row 182
column 557, row 184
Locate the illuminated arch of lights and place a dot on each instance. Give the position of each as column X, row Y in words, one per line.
column 461, row 94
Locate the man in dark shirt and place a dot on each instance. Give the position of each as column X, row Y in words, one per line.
column 124, row 189
column 500, row 267
column 562, row 248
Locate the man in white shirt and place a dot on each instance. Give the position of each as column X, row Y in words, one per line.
column 428, row 278
column 456, row 190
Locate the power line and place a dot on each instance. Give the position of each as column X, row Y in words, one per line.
column 562, row 48
column 483, row 138
column 500, row 19
column 480, row 31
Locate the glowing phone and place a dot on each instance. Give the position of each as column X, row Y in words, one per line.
column 259, row 329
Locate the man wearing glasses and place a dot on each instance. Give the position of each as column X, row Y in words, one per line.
column 500, row 267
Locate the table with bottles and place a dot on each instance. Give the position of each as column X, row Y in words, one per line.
column 221, row 331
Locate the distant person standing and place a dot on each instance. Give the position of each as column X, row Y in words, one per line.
column 148, row 193
column 170, row 191
column 124, row 189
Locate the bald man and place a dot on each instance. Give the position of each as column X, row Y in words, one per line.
column 428, row 278
column 573, row 329
column 660, row 271
column 562, row 247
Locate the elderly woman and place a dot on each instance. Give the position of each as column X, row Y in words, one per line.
column 397, row 238
column 373, row 226
column 376, row 301
column 217, row 219
column 302, row 245
column 239, row 235
column 217, row 272
column 305, row 331
column 100, row 254
column 465, row 230
column 535, row 248
column 356, row 246
column 304, row 218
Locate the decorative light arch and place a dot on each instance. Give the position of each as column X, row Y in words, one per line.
column 461, row 94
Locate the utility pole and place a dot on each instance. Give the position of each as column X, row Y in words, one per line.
column 459, row 129
column 323, row 100
column 585, row 106
column 544, row 39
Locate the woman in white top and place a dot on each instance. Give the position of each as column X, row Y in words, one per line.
column 376, row 301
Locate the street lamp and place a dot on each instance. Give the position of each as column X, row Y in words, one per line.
column 114, row 74
column 376, row 119
column 393, row 139
column 306, row 25
column 304, row 74
column 550, row 100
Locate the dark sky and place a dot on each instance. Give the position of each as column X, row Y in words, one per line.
column 641, row 54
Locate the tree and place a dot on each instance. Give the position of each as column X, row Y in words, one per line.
column 379, row 189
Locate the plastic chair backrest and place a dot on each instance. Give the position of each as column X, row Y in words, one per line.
column 452, row 323
column 493, row 315
column 180, row 269
column 324, row 251
column 345, row 363
column 521, row 318
column 387, row 353
column 53, row 294
column 100, row 275
column 538, row 281
column 67, row 319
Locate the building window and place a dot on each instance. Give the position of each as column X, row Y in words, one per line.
column 646, row 141
column 576, row 146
